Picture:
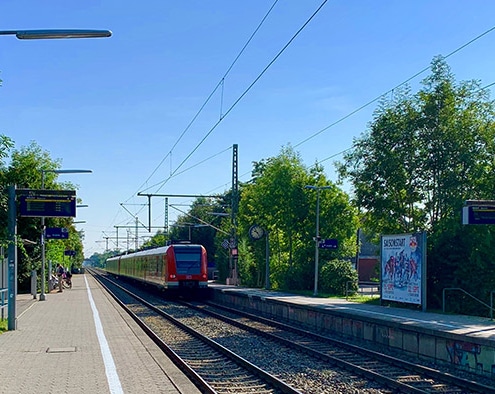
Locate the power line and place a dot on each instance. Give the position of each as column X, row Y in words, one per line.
column 251, row 85
column 174, row 173
column 220, row 83
column 394, row 88
column 384, row 94
column 189, row 168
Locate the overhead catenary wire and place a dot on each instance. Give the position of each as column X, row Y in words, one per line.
column 344, row 117
column 251, row 85
column 175, row 172
column 189, row 168
column 392, row 89
column 218, row 85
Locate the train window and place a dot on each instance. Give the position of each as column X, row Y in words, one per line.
column 188, row 260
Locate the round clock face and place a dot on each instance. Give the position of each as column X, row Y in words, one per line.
column 256, row 232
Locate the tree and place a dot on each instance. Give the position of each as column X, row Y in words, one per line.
column 6, row 144
column 277, row 200
column 198, row 225
column 25, row 171
column 422, row 156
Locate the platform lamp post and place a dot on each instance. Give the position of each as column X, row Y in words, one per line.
column 45, row 34
column 43, row 172
column 48, row 34
column 317, row 235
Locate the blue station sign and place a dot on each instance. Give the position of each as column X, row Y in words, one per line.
column 56, row 233
column 329, row 244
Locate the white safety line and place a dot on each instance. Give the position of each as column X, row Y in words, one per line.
column 110, row 370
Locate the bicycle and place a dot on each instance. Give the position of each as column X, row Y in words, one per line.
column 67, row 281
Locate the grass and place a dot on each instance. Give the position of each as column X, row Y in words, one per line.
column 3, row 325
column 363, row 299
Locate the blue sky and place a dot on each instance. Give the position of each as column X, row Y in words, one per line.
column 119, row 106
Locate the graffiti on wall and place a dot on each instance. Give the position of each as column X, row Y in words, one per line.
column 471, row 355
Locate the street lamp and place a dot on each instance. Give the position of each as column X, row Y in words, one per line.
column 12, row 229
column 317, row 236
column 43, row 172
column 47, row 34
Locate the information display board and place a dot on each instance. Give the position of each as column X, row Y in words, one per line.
column 47, row 203
column 478, row 214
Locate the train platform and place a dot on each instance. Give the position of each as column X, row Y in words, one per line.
column 468, row 326
column 80, row 341
column 466, row 342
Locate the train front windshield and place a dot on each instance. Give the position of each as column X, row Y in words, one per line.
column 188, row 260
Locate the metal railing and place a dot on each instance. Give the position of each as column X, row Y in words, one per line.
column 364, row 288
column 490, row 307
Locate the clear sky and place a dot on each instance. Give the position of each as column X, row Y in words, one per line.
column 121, row 106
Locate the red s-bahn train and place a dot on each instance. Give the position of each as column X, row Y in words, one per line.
column 172, row 267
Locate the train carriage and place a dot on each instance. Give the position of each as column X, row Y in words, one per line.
column 177, row 266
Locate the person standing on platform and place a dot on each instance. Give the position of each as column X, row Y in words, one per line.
column 60, row 273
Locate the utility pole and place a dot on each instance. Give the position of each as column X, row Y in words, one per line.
column 233, row 256
column 12, row 259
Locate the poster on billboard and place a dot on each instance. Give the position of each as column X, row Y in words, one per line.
column 403, row 267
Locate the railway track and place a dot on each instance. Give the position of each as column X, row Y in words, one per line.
column 305, row 360
column 212, row 367
column 392, row 371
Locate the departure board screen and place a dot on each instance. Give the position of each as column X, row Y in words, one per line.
column 482, row 214
column 47, row 203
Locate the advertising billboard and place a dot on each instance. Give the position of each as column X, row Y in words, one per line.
column 403, row 268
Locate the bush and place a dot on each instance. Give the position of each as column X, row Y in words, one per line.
column 334, row 276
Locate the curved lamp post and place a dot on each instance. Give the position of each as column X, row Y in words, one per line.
column 43, row 172
column 317, row 236
column 12, row 255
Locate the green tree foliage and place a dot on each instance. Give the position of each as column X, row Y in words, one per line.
column 25, row 170
column 98, row 259
column 422, row 156
column 198, row 225
column 157, row 240
column 6, row 144
column 277, row 200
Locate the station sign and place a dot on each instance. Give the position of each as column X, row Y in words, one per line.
column 47, row 203
column 56, row 233
column 329, row 244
